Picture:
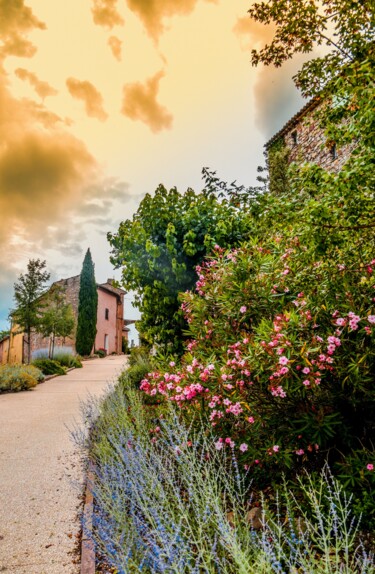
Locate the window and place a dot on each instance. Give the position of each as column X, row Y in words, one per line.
column 106, row 343
column 333, row 152
column 295, row 137
column 107, row 314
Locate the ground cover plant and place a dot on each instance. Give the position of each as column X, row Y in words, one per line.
column 169, row 501
column 16, row 377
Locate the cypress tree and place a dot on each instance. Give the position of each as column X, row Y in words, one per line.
column 87, row 308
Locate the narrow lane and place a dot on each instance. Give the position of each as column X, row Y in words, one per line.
column 41, row 471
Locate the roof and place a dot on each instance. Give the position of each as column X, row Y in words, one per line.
column 308, row 107
column 111, row 289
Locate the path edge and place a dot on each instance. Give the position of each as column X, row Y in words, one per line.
column 88, row 558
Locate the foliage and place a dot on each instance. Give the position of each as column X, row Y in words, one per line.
column 160, row 247
column 87, row 308
column 345, row 27
column 4, row 333
column 67, row 359
column 167, row 503
column 27, row 291
column 49, row 367
column 58, row 319
column 14, row 378
column 101, row 353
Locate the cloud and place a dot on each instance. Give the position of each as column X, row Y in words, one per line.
column 105, row 13
column 92, row 99
column 253, row 35
column 43, row 89
column 140, row 103
column 153, row 12
column 116, row 46
column 17, row 19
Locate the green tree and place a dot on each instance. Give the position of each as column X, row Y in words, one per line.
column 159, row 249
column 87, row 307
column 58, row 319
column 29, row 305
column 345, row 27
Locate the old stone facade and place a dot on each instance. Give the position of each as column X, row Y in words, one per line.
column 306, row 141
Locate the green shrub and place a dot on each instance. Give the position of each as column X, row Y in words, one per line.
column 49, row 367
column 19, row 377
column 101, row 353
column 67, row 360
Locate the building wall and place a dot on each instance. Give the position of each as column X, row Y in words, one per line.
column 4, row 347
column 311, row 145
column 107, row 327
column 16, row 351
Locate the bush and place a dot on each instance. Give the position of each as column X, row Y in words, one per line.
column 19, row 377
column 101, row 353
column 140, row 364
column 170, row 501
column 67, row 360
column 49, row 367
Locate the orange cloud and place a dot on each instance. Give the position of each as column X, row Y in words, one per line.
column 153, row 12
column 140, row 103
column 253, row 34
column 116, row 46
column 43, row 89
column 92, row 99
column 15, row 20
column 105, row 13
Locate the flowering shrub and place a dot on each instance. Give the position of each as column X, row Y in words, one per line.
column 282, row 356
column 18, row 377
column 179, row 505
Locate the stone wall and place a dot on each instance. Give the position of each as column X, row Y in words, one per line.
column 306, row 141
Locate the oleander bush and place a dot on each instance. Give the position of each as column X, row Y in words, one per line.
column 17, row 377
column 49, row 367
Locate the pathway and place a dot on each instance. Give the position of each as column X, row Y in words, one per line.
column 41, row 471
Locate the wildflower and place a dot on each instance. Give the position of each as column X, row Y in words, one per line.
column 243, row 447
column 370, row 466
column 243, row 309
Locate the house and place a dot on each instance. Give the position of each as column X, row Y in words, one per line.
column 111, row 326
column 306, row 142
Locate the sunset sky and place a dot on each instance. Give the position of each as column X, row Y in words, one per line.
column 102, row 100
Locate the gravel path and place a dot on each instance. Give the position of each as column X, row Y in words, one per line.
column 41, row 471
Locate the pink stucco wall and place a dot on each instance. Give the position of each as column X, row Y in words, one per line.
column 106, row 326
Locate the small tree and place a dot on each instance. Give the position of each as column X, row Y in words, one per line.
column 58, row 319
column 27, row 292
column 87, row 307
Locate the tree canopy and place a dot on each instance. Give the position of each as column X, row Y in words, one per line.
column 87, row 307
column 27, row 291
column 58, row 318
column 159, row 248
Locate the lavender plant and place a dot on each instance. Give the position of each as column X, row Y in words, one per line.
column 169, row 501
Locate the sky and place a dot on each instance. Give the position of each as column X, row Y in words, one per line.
column 103, row 100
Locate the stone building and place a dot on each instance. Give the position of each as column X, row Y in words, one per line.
column 306, row 142
column 111, row 325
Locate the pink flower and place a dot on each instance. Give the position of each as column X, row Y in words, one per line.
column 243, row 447
column 306, row 370
column 370, row 467
column 283, row 360
column 172, row 364
column 275, row 448
column 306, row 383
column 371, row 319
column 300, row 452
column 243, row 309
column 250, row 420
column 219, row 444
